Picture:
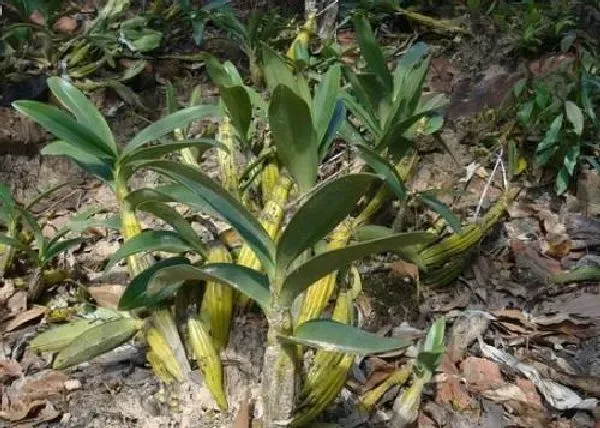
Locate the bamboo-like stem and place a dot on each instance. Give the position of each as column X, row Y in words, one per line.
column 280, row 367
column 130, row 226
column 317, row 296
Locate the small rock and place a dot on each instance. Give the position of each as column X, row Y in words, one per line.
column 464, row 332
column 72, row 384
column 533, row 398
column 481, row 373
column 65, row 24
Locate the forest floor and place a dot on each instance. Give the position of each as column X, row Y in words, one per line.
column 521, row 350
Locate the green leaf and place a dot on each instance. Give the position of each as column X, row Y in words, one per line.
column 409, row 76
column 366, row 118
column 96, row 341
column 206, row 190
column 222, row 75
column 64, row 127
column 370, row 50
column 337, row 120
column 136, row 294
column 172, row 104
column 35, row 228
column 58, row 337
column 150, row 240
column 294, row 136
column 12, row 242
column 393, row 136
column 169, row 123
column 571, row 158
column 247, row 281
column 238, row 105
column 548, row 145
column 372, row 231
column 337, row 337
column 442, row 209
column 383, row 168
column 324, row 209
column 319, row 266
column 277, row 72
column 84, row 111
column 575, row 116
column 59, row 247
column 171, row 193
column 324, row 103
column 432, row 350
column 159, row 150
column 525, row 111
column 177, row 222
column 102, row 169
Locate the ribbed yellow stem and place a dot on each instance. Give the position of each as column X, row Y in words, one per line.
column 225, row 158
column 268, row 179
column 399, row 377
column 317, row 296
column 217, row 302
column 208, row 360
column 271, row 219
column 458, row 243
column 328, row 372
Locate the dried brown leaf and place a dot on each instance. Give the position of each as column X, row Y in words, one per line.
column 24, row 318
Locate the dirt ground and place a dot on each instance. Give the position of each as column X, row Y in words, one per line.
column 503, row 295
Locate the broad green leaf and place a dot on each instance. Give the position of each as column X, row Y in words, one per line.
column 277, row 72
column 409, row 76
column 238, row 105
column 324, row 103
column 442, row 209
column 159, row 150
column 548, row 145
column 57, row 338
column 247, row 281
column 168, row 124
column 204, row 189
column 367, row 96
column 102, row 169
column 337, row 337
column 171, row 193
column 96, row 341
column 366, row 119
column 324, row 209
column 64, row 127
column 59, row 247
column 150, row 240
column 136, row 294
column 177, row 222
column 84, row 111
column 383, row 168
column 542, row 96
column 319, row 266
column 294, row 136
column 222, row 75
column 372, row 231
column 575, row 116
column 371, row 51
